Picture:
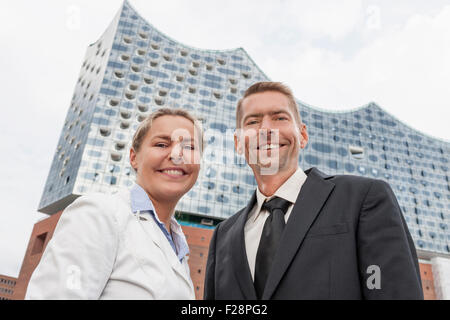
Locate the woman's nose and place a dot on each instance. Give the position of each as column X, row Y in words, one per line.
column 176, row 154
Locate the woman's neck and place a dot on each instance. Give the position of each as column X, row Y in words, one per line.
column 164, row 209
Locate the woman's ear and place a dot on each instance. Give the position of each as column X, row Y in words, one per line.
column 133, row 160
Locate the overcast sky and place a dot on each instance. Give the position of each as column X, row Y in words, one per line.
column 336, row 55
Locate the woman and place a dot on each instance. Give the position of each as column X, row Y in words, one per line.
column 128, row 245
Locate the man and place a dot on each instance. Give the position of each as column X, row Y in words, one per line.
column 306, row 235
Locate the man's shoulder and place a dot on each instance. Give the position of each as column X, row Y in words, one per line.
column 229, row 222
column 342, row 178
column 350, row 183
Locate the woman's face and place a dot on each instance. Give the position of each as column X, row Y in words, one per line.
column 168, row 161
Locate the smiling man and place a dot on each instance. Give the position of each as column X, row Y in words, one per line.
column 306, row 235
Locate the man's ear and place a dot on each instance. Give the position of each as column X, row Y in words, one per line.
column 303, row 136
column 237, row 143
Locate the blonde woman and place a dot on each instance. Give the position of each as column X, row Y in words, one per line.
column 128, row 245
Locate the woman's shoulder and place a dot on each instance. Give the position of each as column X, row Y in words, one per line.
column 107, row 205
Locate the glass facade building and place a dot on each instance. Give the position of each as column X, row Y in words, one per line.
column 134, row 69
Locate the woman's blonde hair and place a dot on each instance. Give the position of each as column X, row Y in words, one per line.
column 145, row 125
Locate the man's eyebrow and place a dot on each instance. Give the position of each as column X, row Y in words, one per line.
column 259, row 115
column 253, row 115
column 272, row 113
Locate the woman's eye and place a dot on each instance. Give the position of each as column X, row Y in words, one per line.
column 161, row 145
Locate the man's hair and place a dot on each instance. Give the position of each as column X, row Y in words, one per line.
column 146, row 124
column 268, row 86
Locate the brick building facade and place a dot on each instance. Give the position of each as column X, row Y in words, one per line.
column 7, row 287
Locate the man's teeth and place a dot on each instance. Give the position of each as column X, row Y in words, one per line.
column 270, row 146
column 174, row 172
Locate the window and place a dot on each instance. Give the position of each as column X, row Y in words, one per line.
column 38, row 245
column 135, row 68
column 142, row 108
column 116, row 156
column 356, row 152
column 133, row 87
column 124, row 125
column 148, row 80
column 118, row 74
column 125, row 114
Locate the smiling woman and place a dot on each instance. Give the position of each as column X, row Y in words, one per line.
column 100, row 238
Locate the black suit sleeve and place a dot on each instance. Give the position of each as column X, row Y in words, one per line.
column 209, row 291
column 385, row 248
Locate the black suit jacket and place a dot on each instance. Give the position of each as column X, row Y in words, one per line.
column 339, row 227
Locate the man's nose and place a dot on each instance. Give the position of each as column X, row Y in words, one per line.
column 265, row 130
column 266, row 124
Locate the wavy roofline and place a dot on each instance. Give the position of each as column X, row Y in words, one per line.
column 368, row 105
column 268, row 78
column 174, row 40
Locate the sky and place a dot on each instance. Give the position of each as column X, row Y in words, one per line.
column 335, row 55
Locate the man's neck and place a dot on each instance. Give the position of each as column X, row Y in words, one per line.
column 268, row 184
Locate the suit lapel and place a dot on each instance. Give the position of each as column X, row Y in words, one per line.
column 310, row 201
column 238, row 253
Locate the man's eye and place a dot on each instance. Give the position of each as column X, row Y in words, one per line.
column 282, row 118
column 161, row 145
column 249, row 123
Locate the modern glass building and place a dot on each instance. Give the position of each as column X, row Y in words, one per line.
column 134, row 69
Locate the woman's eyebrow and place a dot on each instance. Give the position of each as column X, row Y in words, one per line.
column 169, row 138
column 163, row 137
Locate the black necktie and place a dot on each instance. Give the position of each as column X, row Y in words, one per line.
column 270, row 239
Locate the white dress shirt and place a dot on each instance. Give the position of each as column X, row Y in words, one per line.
column 289, row 191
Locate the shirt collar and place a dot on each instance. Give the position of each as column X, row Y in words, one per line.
column 289, row 190
column 140, row 201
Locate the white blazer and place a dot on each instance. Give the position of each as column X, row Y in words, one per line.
column 102, row 250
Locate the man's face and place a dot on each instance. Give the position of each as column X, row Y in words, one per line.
column 270, row 136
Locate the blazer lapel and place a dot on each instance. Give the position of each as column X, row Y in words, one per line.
column 239, row 255
column 159, row 239
column 310, row 201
